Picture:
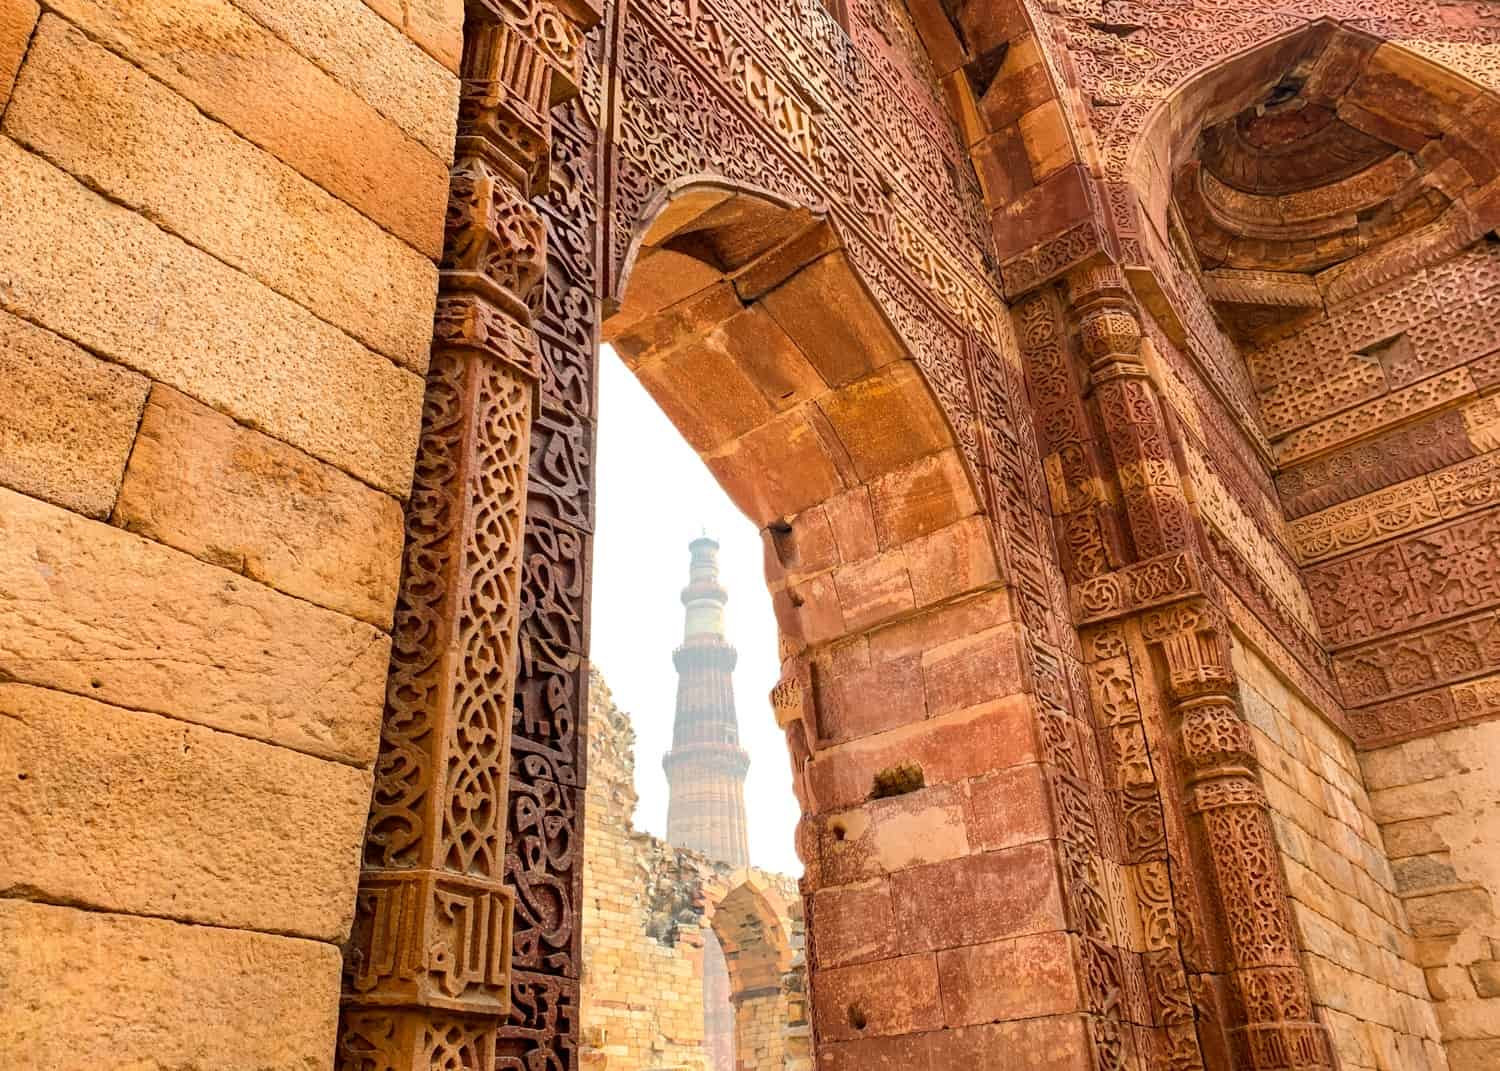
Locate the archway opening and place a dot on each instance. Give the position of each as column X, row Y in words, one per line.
column 745, row 321
column 756, row 929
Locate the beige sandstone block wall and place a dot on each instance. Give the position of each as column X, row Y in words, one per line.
column 645, row 906
column 218, row 228
column 1438, row 803
column 1357, row 943
column 642, row 1004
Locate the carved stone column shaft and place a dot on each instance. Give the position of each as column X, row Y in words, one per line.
column 1274, row 1027
column 1131, row 413
column 427, row 967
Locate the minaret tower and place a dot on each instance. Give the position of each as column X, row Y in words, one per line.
column 706, row 766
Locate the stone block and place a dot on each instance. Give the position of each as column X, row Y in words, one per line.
column 879, row 999
column 644, row 330
column 125, row 134
column 67, row 429
column 844, row 347
column 1044, row 132
column 887, row 835
column 368, row 55
column 85, row 989
column 857, row 702
column 949, row 748
column 758, row 346
column 1405, row 802
column 852, row 522
column 942, row 625
column 1486, row 978
column 438, row 27
column 1010, row 808
column 243, row 75
column 854, row 923
column 903, row 1053
column 952, row 561
column 921, row 497
column 874, row 591
column 805, row 550
column 236, row 498
column 141, row 814
column 1423, row 759
column 887, row 420
column 1019, row 888
column 707, row 396
column 1016, row 979
column 974, row 670
column 779, row 469
column 1418, row 873
column 777, row 265
column 89, row 609
column 1049, row 1043
column 1477, row 1054
column 17, row 20
column 105, row 278
column 1448, row 913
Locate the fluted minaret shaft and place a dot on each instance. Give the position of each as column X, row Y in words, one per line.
column 706, row 766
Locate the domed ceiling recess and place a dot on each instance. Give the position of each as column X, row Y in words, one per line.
column 1343, row 173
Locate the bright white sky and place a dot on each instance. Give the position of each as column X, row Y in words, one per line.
column 654, row 497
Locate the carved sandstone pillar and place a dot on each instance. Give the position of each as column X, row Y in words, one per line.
column 1134, row 425
column 427, row 967
column 1271, row 1005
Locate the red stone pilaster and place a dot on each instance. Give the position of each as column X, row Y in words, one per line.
column 427, row 968
column 1273, row 1024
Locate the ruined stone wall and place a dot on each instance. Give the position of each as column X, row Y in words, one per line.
column 647, row 910
column 1356, row 941
column 1437, row 799
column 218, row 228
column 642, row 975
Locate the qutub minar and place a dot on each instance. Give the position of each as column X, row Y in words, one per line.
column 706, row 766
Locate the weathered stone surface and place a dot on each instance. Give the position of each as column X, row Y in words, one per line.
column 141, row 814
column 369, row 56
column 17, row 19
column 242, row 74
column 236, row 498
column 1019, row 888
column 102, row 276
column 88, row 989
column 68, row 421
column 122, row 132
column 892, row 996
column 1016, row 979
column 437, row 25
column 90, row 609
